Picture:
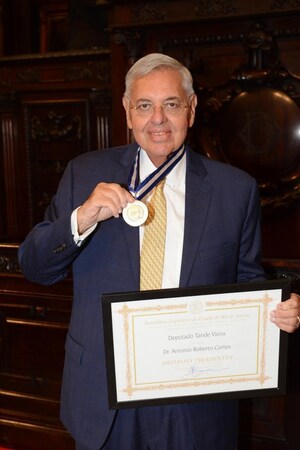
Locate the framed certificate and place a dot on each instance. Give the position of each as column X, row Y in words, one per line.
column 181, row 345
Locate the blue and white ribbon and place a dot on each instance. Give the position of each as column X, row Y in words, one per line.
column 139, row 190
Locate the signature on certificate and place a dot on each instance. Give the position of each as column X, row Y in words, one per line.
column 195, row 371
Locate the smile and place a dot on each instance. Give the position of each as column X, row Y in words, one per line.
column 158, row 133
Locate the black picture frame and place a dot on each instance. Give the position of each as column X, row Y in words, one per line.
column 283, row 285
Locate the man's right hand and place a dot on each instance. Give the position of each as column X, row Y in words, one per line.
column 107, row 200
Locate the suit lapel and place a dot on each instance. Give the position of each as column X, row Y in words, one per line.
column 197, row 199
column 131, row 234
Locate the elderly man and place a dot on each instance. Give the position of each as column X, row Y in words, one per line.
column 97, row 222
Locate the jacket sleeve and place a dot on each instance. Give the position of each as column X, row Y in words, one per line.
column 49, row 249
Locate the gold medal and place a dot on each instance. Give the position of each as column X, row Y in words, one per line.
column 135, row 214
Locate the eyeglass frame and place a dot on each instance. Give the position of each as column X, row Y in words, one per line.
column 181, row 107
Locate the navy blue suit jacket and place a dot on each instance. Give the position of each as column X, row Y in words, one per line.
column 221, row 245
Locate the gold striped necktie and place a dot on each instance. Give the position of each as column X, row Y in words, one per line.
column 153, row 246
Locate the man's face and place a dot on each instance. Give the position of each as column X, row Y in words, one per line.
column 159, row 113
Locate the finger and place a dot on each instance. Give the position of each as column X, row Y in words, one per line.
column 286, row 322
column 125, row 197
column 117, row 194
column 287, row 328
column 292, row 302
column 106, row 200
column 109, row 198
column 285, row 315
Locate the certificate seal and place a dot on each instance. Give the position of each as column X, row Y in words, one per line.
column 197, row 307
column 135, row 214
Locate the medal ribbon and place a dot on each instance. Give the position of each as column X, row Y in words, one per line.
column 139, row 190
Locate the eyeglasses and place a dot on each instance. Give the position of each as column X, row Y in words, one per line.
column 171, row 108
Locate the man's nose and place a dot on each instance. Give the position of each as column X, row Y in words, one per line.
column 158, row 113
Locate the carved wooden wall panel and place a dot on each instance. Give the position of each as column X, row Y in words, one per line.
column 57, row 132
column 60, row 106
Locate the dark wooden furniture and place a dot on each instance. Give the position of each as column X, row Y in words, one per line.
column 33, row 326
column 54, row 106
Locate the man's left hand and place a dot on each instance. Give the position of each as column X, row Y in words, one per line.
column 287, row 314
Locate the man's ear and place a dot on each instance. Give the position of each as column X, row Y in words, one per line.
column 126, row 105
column 193, row 104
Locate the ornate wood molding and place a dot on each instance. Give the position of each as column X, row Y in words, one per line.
column 285, row 4
column 149, row 12
column 70, row 67
column 137, row 13
column 132, row 40
column 213, row 8
column 56, row 127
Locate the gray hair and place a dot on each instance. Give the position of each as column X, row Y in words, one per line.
column 157, row 61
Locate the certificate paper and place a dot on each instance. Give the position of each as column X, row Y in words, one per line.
column 179, row 345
